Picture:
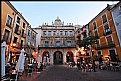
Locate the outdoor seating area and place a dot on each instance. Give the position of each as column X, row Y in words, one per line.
column 112, row 66
column 12, row 76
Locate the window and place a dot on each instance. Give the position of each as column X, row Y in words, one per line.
column 44, row 32
column 97, row 42
column 96, row 34
column 94, row 25
column 66, row 33
column 104, row 19
column 107, row 30
column 18, row 20
column 9, row 21
column 69, row 43
column 46, row 43
column 54, row 33
column 23, row 25
column 22, row 32
column 71, row 33
column 61, row 33
column 17, row 28
column 6, row 34
column 109, row 39
column 15, row 40
column 28, row 32
column 57, row 43
column 21, row 43
column 49, row 33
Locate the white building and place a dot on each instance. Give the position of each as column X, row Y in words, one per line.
column 56, row 42
column 116, row 14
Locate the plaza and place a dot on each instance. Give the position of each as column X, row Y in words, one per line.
column 51, row 49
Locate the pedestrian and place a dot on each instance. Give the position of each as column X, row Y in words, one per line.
column 13, row 73
column 78, row 65
column 41, row 66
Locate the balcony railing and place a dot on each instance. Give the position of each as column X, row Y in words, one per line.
column 9, row 25
column 107, row 33
column 54, row 46
column 97, row 47
column 111, row 44
column 108, row 45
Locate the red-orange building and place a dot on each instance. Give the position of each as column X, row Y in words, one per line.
column 103, row 28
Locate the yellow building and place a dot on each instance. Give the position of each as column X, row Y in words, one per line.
column 7, row 22
column 13, row 30
column 102, row 27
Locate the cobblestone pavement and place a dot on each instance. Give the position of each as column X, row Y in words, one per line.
column 64, row 73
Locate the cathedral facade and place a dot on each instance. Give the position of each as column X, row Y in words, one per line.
column 56, row 42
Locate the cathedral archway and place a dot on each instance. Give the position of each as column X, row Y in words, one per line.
column 58, row 57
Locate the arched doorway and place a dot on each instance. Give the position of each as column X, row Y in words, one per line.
column 69, row 56
column 45, row 57
column 58, row 57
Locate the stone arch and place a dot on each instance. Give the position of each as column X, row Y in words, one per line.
column 57, row 57
column 69, row 56
column 45, row 56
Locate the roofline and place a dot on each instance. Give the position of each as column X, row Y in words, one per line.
column 115, row 5
column 100, row 12
column 8, row 2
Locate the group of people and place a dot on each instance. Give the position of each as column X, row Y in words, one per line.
column 84, row 67
column 10, row 71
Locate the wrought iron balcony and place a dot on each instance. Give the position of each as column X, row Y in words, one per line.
column 97, row 47
column 111, row 44
column 54, row 46
column 107, row 33
column 108, row 45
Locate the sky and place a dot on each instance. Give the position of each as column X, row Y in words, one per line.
column 76, row 12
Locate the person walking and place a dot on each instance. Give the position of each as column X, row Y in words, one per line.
column 78, row 65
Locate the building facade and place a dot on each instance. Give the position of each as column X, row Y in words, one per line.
column 14, row 31
column 103, row 27
column 8, row 14
column 116, row 15
column 57, row 42
column 30, row 45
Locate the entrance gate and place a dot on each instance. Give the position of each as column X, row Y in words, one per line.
column 58, row 58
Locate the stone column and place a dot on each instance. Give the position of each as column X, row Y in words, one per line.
column 51, row 58
column 64, row 58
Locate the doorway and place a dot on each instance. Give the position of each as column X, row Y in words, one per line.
column 58, row 58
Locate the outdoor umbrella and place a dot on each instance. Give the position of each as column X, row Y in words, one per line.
column 20, row 63
column 3, row 50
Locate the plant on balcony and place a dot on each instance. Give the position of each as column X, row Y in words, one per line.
column 78, row 36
